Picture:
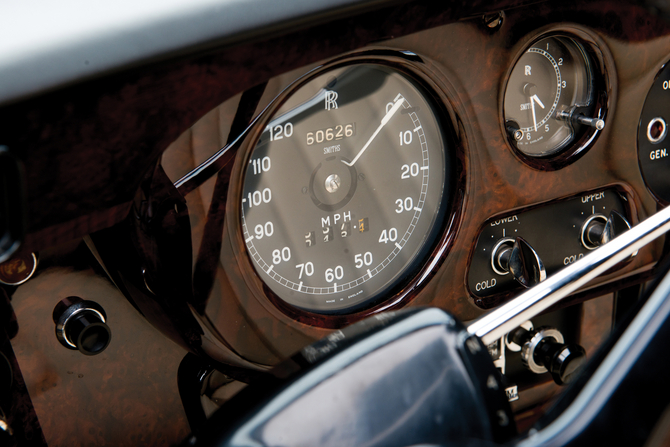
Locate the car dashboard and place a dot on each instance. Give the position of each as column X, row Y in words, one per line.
column 221, row 205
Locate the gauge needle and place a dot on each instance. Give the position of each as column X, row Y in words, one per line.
column 385, row 120
column 533, row 100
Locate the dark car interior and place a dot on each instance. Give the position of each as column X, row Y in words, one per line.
column 379, row 223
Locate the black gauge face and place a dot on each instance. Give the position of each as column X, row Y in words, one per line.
column 344, row 193
column 549, row 95
column 652, row 137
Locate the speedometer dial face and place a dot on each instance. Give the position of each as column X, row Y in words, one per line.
column 344, row 193
column 549, row 96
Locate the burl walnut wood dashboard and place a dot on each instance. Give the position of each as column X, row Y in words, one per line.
column 173, row 268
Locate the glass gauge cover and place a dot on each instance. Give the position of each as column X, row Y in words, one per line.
column 549, row 96
column 346, row 190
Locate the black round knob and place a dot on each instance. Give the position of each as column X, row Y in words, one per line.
column 520, row 336
column 543, row 349
column 562, row 361
column 81, row 325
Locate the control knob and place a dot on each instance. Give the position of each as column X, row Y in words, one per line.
column 598, row 230
column 543, row 350
column 520, row 258
column 81, row 325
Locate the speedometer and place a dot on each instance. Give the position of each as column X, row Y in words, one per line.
column 346, row 190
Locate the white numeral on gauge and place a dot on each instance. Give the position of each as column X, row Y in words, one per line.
column 261, row 165
column 264, row 230
column 363, row 259
column 307, row 269
column 280, row 131
column 257, row 197
column 404, row 205
column 333, row 274
column 405, row 137
column 409, row 170
column 385, row 237
column 279, row 256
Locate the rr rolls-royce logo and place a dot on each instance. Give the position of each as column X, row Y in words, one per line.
column 331, row 99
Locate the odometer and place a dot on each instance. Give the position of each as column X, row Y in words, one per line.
column 346, row 189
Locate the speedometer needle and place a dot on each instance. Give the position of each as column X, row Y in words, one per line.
column 533, row 100
column 385, row 120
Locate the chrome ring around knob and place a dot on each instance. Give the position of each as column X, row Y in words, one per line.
column 497, row 251
column 657, row 129
column 586, row 242
column 61, row 326
column 528, row 349
column 88, row 321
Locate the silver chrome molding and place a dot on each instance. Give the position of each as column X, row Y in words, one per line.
column 507, row 317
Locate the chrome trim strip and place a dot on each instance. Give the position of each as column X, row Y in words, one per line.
column 500, row 321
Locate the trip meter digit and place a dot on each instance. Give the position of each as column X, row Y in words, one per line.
column 549, row 99
column 346, row 190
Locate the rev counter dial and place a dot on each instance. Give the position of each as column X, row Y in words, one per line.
column 346, row 190
column 549, row 98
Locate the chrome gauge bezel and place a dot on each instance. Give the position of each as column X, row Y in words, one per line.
column 599, row 66
column 433, row 250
